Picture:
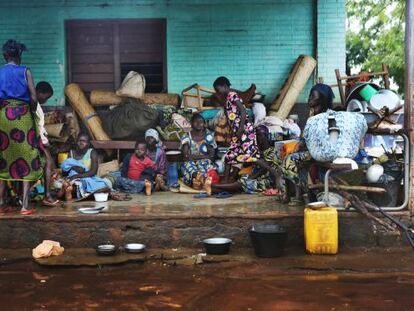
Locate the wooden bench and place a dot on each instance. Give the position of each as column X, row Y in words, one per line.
column 127, row 145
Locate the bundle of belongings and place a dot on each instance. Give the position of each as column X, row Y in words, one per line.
column 333, row 135
column 47, row 248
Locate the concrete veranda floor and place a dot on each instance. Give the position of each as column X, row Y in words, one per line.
column 168, row 204
column 178, row 220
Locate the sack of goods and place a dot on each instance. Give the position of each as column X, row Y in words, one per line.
column 332, row 135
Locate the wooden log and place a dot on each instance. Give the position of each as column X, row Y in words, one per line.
column 350, row 188
column 161, row 98
column 108, row 98
column 361, row 207
column 85, row 111
column 289, row 93
column 104, row 98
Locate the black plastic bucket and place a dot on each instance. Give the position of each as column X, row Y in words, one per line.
column 389, row 198
column 268, row 240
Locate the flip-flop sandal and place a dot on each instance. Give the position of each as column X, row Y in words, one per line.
column 223, row 195
column 201, row 195
column 271, row 193
column 6, row 209
column 52, row 204
column 28, row 212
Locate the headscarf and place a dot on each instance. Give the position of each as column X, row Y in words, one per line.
column 152, row 133
column 326, row 92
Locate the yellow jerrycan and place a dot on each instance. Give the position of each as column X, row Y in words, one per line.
column 321, row 229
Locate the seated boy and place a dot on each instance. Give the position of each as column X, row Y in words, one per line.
column 43, row 92
column 137, row 172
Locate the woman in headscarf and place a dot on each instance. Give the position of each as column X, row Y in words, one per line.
column 156, row 152
column 294, row 165
column 197, row 147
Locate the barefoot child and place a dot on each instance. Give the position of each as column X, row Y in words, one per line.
column 137, row 173
column 43, row 92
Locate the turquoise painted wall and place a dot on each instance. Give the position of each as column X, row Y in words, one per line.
column 248, row 42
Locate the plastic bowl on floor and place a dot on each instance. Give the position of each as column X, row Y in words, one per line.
column 217, row 246
column 134, row 247
column 101, row 197
column 106, row 249
column 268, row 240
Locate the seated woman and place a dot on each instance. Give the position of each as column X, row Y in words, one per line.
column 262, row 175
column 156, row 152
column 197, row 147
column 80, row 170
column 294, row 167
column 137, row 172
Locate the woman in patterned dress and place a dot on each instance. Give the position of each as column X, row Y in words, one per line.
column 243, row 147
column 20, row 154
column 198, row 148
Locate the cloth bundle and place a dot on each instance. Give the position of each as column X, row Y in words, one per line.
column 129, row 119
column 47, row 248
column 352, row 128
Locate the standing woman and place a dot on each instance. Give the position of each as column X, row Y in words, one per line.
column 20, row 155
column 243, row 147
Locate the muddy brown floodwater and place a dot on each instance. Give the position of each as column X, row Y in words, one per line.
column 241, row 286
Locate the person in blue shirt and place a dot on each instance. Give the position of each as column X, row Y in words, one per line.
column 20, row 148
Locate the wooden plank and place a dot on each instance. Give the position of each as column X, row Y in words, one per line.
column 125, row 145
column 92, row 49
column 92, row 77
column 117, row 63
column 87, row 87
column 93, row 68
column 141, row 58
column 91, row 59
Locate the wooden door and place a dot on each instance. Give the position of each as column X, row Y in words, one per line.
column 101, row 52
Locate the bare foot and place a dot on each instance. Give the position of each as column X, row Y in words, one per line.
column 199, row 177
column 159, row 183
column 197, row 184
column 148, row 187
column 68, row 191
column 207, row 185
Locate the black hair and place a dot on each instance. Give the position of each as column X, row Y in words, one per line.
column 197, row 116
column 139, row 142
column 13, row 49
column 85, row 135
column 221, row 81
column 44, row 88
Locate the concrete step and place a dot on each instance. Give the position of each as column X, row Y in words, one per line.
column 179, row 220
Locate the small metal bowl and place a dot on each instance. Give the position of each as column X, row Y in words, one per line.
column 217, row 246
column 317, row 205
column 134, row 248
column 106, row 249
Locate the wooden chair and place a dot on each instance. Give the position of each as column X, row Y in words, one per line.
column 195, row 99
column 350, row 79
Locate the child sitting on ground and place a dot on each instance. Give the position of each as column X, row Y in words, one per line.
column 137, row 172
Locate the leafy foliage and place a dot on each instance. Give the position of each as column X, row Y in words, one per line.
column 375, row 35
